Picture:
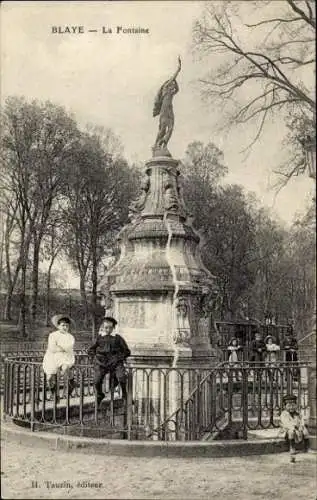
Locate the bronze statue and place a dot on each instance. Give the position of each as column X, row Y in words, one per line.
column 163, row 106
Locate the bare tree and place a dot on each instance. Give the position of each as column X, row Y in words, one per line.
column 12, row 265
column 52, row 246
column 36, row 143
column 262, row 58
column 97, row 200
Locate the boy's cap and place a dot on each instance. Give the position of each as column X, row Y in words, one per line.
column 289, row 398
column 111, row 320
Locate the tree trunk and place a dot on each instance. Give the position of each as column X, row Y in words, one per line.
column 2, row 251
column 11, row 280
column 84, row 299
column 94, row 295
column 35, row 278
column 23, row 302
column 8, row 301
column 8, row 306
column 22, row 318
column 48, row 292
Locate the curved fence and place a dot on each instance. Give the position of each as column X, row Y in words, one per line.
column 227, row 402
column 162, row 403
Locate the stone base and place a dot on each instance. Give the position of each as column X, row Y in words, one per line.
column 160, row 152
column 150, row 449
column 155, row 356
column 169, row 356
column 160, row 356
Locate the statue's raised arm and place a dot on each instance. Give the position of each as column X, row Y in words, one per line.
column 179, row 67
column 163, row 106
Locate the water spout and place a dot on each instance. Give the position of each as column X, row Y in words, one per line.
column 175, row 282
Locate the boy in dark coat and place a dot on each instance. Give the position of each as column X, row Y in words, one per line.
column 257, row 348
column 290, row 346
column 109, row 352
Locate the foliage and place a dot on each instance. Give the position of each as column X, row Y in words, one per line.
column 221, row 215
column 36, row 144
column 301, row 135
column 96, row 206
column 67, row 192
column 258, row 262
column 63, row 190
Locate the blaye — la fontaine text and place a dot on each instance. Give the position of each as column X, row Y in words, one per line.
column 106, row 30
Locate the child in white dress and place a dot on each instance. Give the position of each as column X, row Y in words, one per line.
column 60, row 352
column 233, row 360
column 271, row 356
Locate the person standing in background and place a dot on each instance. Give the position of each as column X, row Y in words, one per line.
column 257, row 348
column 234, row 348
column 272, row 349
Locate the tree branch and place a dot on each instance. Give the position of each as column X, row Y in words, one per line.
column 274, row 20
column 309, row 19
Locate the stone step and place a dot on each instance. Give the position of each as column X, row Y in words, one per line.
column 141, row 448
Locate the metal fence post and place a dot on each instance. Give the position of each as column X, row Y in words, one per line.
column 230, row 395
column 5, row 391
column 81, row 396
column 32, row 397
column 245, row 391
column 129, row 403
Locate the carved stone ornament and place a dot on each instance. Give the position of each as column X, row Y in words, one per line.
column 171, row 202
column 179, row 189
column 108, row 303
column 182, row 336
column 182, row 333
column 207, row 301
column 138, row 204
column 204, row 326
column 196, row 306
column 181, row 305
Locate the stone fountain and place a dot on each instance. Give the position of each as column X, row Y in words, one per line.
column 160, row 290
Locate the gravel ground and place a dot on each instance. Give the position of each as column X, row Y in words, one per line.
column 31, row 472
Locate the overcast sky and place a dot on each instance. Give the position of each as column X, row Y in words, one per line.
column 112, row 80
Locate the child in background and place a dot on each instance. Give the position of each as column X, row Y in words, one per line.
column 292, row 425
column 233, row 360
column 257, row 348
column 272, row 349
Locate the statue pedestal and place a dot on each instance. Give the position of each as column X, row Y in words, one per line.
column 159, row 283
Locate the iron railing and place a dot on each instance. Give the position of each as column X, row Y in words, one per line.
column 16, row 348
column 245, row 355
column 162, row 404
column 28, row 354
column 236, row 400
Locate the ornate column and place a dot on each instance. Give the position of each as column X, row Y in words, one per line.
column 159, row 283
